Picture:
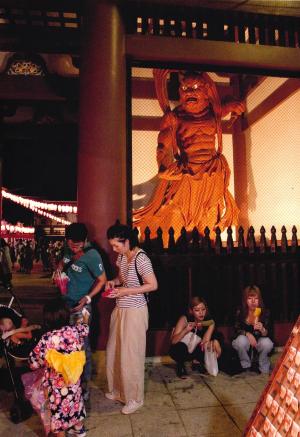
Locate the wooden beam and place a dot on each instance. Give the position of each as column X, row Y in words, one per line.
column 146, row 123
column 144, row 89
column 48, row 5
column 30, row 89
column 153, row 124
column 13, row 131
column 155, row 50
column 249, row 83
column 287, row 89
column 286, row 8
column 40, row 39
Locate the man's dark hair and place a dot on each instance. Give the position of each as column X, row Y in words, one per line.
column 56, row 314
column 76, row 232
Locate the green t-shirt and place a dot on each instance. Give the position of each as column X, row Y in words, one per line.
column 82, row 273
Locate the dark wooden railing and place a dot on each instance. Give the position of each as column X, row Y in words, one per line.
column 218, row 271
column 210, row 24
column 40, row 26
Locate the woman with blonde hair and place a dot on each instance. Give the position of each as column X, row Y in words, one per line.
column 252, row 331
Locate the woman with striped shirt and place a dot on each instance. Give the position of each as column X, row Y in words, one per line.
column 126, row 347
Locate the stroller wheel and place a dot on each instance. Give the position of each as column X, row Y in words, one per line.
column 20, row 411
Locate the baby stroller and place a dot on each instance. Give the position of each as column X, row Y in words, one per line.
column 15, row 345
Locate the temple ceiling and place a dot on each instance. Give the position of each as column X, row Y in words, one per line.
column 40, row 50
column 279, row 7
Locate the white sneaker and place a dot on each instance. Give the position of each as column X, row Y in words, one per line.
column 112, row 396
column 132, row 406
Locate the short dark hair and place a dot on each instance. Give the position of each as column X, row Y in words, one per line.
column 123, row 232
column 76, row 232
column 56, row 314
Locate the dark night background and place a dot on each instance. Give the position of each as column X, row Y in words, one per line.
column 43, row 165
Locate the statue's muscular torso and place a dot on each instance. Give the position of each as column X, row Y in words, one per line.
column 195, row 131
column 186, row 136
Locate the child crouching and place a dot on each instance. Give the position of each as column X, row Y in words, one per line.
column 60, row 353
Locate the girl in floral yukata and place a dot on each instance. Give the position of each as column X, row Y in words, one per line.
column 60, row 352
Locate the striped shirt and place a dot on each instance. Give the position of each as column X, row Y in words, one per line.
column 129, row 278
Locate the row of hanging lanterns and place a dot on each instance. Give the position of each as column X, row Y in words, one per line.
column 47, row 206
column 42, row 208
column 16, row 229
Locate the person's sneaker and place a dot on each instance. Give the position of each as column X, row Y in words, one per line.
column 112, row 396
column 132, row 406
column 79, row 432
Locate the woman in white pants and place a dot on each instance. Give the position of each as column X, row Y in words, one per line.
column 126, row 347
column 252, row 331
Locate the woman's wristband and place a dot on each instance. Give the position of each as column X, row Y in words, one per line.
column 88, row 298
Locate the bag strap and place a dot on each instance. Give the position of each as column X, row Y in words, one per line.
column 139, row 276
column 140, row 279
column 136, row 269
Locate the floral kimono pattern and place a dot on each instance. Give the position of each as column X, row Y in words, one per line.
column 66, row 401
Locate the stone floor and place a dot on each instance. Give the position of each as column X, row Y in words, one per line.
column 202, row 406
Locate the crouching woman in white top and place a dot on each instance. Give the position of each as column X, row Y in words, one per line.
column 126, row 347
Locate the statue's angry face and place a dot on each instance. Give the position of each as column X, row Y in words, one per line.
column 193, row 94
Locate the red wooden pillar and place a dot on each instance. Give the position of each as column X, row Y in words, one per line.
column 102, row 125
column 1, row 200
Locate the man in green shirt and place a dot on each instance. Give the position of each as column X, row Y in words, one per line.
column 84, row 267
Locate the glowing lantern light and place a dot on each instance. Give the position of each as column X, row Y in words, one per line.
column 40, row 207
